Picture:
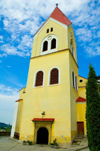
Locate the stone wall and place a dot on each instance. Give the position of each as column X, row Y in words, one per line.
column 4, row 133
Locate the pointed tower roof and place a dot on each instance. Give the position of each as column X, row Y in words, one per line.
column 60, row 16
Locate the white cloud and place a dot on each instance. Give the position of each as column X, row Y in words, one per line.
column 7, row 49
column 4, row 89
column 26, row 42
column 91, row 51
column 22, row 19
column 84, row 34
column 8, row 96
column 9, row 66
column 6, row 23
column 3, row 55
column 1, row 37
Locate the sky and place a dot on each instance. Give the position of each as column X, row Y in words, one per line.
column 19, row 21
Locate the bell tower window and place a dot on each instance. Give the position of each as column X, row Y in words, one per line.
column 53, row 44
column 47, row 30
column 49, row 44
column 51, row 29
column 45, row 46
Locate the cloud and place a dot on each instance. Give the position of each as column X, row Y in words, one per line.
column 91, row 51
column 84, row 34
column 3, row 55
column 1, row 37
column 9, row 66
column 26, row 42
column 23, row 18
column 8, row 96
column 8, row 90
column 7, row 49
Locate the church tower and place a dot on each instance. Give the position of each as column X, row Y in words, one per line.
column 47, row 106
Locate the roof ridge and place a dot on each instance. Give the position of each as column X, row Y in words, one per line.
column 64, row 19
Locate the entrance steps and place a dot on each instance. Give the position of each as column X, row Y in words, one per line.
column 77, row 139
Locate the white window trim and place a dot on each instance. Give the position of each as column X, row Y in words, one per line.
column 49, row 50
column 58, row 76
column 35, row 78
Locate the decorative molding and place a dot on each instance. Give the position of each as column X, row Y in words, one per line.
column 67, row 49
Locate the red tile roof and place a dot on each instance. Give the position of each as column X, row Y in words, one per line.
column 43, row 119
column 19, row 100
column 60, row 16
column 80, row 99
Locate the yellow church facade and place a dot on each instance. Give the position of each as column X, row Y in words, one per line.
column 53, row 103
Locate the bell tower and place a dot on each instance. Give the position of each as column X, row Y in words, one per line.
column 52, row 86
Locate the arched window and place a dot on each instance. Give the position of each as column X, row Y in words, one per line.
column 39, row 78
column 45, row 46
column 54, row 76
column 53, row 43
column 49, row 44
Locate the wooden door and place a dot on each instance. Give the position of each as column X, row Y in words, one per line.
column 80, row 127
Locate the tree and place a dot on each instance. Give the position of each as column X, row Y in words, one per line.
column 7, row 128
column 93, row 111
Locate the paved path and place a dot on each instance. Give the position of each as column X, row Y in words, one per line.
column 6, row 144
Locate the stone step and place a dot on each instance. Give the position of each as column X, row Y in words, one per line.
column 77, row 140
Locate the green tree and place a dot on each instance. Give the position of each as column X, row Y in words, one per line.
column 7, row 129
column 93, row 111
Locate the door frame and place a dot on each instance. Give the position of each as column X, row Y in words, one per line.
column 47, row 125
column 82, row 127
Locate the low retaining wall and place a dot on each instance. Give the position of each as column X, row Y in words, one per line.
column 5, row 133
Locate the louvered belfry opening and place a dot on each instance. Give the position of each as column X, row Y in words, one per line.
column 39, row 79
column 53, row 43
column 45, row 46
column 54, row 76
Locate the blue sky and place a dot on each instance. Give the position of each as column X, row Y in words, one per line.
column 19, row 20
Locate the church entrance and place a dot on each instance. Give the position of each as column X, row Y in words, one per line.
column 42, row 130
column 42, row 136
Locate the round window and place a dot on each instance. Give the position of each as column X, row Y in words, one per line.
column 81, row 80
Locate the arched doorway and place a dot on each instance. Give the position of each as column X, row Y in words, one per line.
column 42, row 136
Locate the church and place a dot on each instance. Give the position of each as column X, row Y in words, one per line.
column 53, row 103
